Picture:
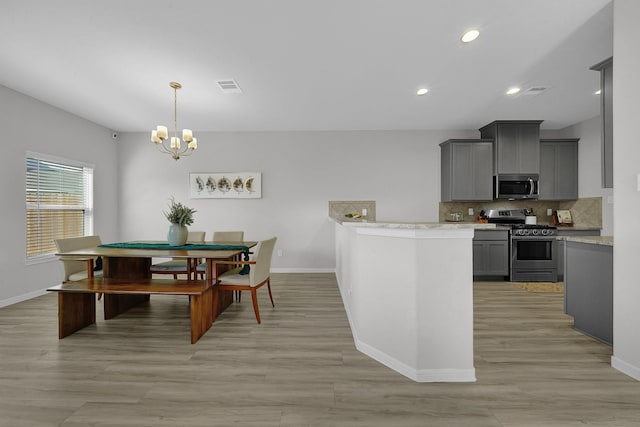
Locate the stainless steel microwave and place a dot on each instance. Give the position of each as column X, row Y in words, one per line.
column 516, row 186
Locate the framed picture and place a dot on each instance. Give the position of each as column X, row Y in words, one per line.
column 227, row 185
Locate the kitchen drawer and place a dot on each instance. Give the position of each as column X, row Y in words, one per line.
column 491, row 235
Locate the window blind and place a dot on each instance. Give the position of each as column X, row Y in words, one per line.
column 59, row 201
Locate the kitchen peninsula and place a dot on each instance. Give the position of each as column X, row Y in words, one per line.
column 588, row 285
column 408, row 293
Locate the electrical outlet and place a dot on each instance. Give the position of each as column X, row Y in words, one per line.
column 364, row 212
column 471, row 211
column 279, row 252
column 549, row 212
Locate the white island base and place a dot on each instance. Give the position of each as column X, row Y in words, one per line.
column 408, row 293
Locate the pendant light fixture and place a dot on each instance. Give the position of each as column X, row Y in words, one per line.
column 172, row 145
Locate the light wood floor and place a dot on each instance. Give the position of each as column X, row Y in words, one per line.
column 300, row 368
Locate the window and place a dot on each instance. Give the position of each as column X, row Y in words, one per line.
column 59, row 197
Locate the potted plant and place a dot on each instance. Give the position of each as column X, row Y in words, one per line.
column 180, row 216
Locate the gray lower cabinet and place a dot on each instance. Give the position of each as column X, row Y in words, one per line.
column 559, row 169
column 466, row 170
column 561, row 244
column 490, row 253
column 588, row 288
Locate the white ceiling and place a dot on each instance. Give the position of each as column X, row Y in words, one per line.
column 307, row 64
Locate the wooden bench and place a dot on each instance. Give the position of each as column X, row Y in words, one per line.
column 77, row 302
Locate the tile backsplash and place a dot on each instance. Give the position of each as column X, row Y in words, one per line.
column 338, row 209
column 586, row 212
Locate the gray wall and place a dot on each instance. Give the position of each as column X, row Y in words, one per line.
column 626, row 155
column 589, row 166
column 30, row 125
column 301, row 172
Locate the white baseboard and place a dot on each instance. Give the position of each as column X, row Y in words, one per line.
column 446, row 375
column 23, row 297
column 625, row 368
column 418, row 375
column 302, row 270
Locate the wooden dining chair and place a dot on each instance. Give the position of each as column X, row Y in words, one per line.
column 78, row 268
column 180, row 266
column 228, row 236
column 259, row 275
column 220, row 237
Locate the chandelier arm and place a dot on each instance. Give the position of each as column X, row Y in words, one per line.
column 163, row 148
column 184, row 152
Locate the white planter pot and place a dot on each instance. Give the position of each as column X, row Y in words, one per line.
column 177, row 235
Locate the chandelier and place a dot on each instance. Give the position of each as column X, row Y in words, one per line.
column 172, row 146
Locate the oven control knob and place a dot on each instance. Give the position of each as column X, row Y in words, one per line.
column 534, row 232
column 546, row 232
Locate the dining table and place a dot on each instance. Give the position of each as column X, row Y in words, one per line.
column 127, row 281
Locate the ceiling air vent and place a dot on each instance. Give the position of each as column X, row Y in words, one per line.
column 229, row 86
column 535, row 90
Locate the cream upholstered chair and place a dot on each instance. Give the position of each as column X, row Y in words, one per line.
column 259, row 275
column 180, row 266
column 75, row 268
column 228, row 236
column 222, row 237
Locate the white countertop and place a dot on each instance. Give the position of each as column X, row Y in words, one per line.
column 580, row 228
column 417, row 230
column 416, row 225
column 594, row 240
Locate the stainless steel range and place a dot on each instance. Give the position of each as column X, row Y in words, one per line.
column 533, row 247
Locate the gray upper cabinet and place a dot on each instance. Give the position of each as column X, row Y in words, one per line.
column 559, row 169
column 516, row 145
column 466, row 172
column 606, row 113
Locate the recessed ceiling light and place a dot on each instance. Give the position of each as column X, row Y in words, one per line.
column 513, row 91
column 422, row 91
column 470, row 36
column 598, row 92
